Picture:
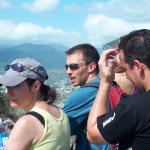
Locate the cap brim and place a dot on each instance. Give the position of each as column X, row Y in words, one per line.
column 8, row 80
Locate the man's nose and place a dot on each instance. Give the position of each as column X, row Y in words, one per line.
column 69, row 71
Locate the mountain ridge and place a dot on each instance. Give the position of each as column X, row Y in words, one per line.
column 51, row 56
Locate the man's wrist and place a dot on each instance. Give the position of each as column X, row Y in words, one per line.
column 106, row 82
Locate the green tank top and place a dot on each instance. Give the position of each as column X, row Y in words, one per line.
column 56, row 134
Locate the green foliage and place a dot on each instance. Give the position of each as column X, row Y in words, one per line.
column 5, row 110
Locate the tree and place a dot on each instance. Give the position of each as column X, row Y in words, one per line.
column 5, row 110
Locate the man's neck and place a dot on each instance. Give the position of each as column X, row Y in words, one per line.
column 91, row 77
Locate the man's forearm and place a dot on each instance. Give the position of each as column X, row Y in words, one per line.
column 100, row 107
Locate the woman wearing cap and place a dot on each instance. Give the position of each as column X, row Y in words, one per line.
column 44, row 127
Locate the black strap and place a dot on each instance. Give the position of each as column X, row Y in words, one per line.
column 37, row 115
column 95, row 85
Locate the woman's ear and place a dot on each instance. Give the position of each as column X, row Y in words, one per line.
column 36, row 86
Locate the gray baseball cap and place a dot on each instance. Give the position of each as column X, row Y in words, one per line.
column 21, row 69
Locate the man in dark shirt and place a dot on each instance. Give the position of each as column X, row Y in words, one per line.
column 129, row 122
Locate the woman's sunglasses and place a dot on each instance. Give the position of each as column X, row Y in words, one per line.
column 20, row 68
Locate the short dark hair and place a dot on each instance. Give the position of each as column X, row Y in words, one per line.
column 136, row 45
column 90, row 53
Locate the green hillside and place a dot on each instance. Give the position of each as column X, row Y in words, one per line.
column 51, row 56
column 111, row 44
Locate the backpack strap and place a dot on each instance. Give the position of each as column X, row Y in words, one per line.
column 38, row 116
column 95, row 85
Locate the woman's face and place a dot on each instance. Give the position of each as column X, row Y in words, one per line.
column 20, row 96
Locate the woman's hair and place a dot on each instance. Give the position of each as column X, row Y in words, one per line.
column 47, row 93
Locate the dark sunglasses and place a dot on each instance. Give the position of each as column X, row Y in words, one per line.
column 73, row 66
column 20, row 68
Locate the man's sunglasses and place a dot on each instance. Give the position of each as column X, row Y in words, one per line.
column 73, row 66
column 20, row 68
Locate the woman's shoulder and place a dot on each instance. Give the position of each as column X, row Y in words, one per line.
column 24, row 126
column 27, row 130
column 26, row 121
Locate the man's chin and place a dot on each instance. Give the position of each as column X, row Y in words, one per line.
column 74, row 84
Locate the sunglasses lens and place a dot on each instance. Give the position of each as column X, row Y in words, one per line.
column 6, row 68
column 66, row 66
column 17, row 67
column 72, row 66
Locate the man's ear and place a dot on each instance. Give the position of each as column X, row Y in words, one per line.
column 92, row 67
column 140, row 67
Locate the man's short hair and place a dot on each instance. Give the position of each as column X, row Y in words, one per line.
column 136, row 45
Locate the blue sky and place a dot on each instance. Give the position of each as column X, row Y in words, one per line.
column 70, row 22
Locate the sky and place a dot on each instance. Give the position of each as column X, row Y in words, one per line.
column 70, row 22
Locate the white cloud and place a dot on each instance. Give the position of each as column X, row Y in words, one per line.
column 5, row 4
column 28, row 32
column 73, row 8
column 101, row 29
column 41, row 5
column 111, row 19
column 133, row 10
column 105, row 21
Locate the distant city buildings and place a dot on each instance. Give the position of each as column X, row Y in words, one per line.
column 63, row 89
